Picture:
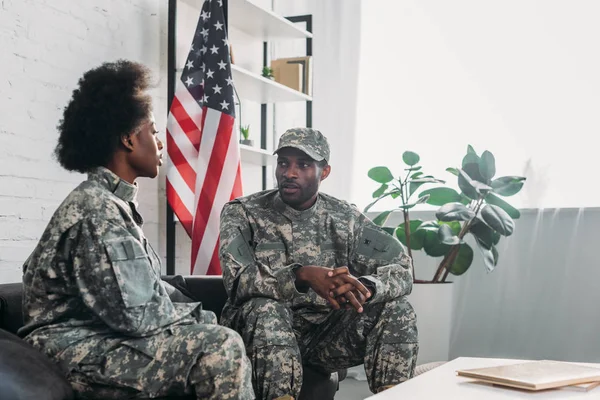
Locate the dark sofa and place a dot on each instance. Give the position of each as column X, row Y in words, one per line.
column 27, row 374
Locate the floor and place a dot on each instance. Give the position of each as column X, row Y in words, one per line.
column 351, row 389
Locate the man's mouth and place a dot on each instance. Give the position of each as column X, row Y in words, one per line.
column 160, row 160
column 290, row 188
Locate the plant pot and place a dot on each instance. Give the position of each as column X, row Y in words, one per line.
column 247, row 142
column 433, row 305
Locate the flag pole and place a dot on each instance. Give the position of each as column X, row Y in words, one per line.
column 171, row 65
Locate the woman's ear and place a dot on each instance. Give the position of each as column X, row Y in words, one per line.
column 127, row 141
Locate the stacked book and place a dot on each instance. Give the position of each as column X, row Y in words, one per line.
column 537, row 375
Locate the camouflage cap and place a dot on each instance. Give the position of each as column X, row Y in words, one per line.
column 309, row 140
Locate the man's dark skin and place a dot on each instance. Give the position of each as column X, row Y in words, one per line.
column 298, row 179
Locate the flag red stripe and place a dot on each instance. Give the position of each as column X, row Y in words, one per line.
column 237, row 186
column 214, row 268
column 185, row 122
column 181, row 163
column 179, row 208
column 211, row 182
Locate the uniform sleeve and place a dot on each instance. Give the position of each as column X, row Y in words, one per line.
column 244, row 277
column 116, row 281
column 380, row 259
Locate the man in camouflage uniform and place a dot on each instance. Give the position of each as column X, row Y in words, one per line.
column 95, row 303
column 312, row 281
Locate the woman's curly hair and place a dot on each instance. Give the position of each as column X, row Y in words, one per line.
column 110, row 102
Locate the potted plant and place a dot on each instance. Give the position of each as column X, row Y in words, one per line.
column 245, row 131
column 267, row 72
column 476, row 209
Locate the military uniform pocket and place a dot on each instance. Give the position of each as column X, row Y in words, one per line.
column 133, row 271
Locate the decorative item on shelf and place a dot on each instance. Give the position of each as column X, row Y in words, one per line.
column 245, row 131
column 267, row 72
column 294, row 72
column 475, row 209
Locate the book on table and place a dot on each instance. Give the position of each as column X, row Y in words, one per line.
column 537, row 375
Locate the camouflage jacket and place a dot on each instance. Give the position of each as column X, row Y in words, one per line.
column 93, row 273
column 263, row 241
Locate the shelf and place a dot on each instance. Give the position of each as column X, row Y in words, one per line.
column 261, row 23
column 258, row 22
column 256, row 156
column 253, row 87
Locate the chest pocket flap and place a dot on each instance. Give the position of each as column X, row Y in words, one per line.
column 378, row 245
column 133, row 271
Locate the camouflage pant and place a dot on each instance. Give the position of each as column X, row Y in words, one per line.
column 279, row 341
column 203, row 359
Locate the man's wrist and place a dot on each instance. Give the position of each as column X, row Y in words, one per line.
column 370, row 285
column 301, row 282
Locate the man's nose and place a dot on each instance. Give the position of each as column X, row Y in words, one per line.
column 290, row 172
column 159, row 143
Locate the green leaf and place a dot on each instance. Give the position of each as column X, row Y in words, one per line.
column 484, row 235
column 498, row 219
column 427, row 179
column 380, row 191
column 470, row 187
column 410, row 158
column 432, row 245
column 446, row 236
column 470, row 158
column 383, row 196
column 472, row 170
column 466, row 186
column 381, row 174
column 418, row 167
column 416, row 174
column 413, row 187
column 411, row 205
column 454, row 225
column 430, row 226
column 440, row 195
column 454, row 212
column 453, row 171
column 508, row 185
column 487, row 166
column 381, row 219
column 471, row 150
column 389, row 230
column 416, row 236
column 491, row 198
column 463, row 260
column 490, row 257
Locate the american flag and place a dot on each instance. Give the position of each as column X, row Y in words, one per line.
column 203, row 170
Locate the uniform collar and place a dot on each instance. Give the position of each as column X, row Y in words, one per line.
column 294, row 214
column 120, row 188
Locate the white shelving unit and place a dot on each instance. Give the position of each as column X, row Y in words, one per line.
column 255, row 155
column 261, row 23
column 254, row 87
column 264, row 25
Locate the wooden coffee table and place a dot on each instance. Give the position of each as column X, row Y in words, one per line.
column 443, row 383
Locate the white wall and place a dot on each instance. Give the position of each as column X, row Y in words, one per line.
column 517, row 77
column 45, row 47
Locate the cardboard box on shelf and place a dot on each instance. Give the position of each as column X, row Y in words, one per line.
column 294, row 72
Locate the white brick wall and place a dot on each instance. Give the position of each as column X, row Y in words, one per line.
column 45, row 46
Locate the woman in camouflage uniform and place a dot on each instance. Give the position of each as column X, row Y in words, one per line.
column 93, row 298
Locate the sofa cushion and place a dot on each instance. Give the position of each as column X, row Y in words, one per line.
column 11, row 310
column 26, row 374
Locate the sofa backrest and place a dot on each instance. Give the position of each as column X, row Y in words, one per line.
column 207, row 289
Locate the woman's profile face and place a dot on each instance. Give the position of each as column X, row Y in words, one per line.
column 146, row 156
